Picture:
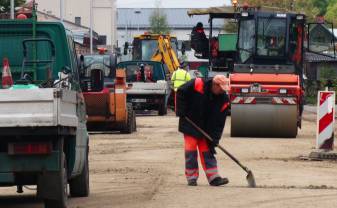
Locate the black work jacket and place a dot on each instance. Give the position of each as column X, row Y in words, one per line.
column 196, row 101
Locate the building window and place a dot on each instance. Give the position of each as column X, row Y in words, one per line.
column 78, row 20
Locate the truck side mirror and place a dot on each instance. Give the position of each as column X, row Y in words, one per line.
column 81, row 59
column 66, row 70
column 126, row 47
column 142, row 72
column 81, row 65
column 187, row 45
column 183, row 48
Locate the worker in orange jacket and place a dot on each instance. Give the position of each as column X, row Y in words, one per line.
column 205, row 102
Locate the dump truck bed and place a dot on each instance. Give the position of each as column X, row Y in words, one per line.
column 37, row 108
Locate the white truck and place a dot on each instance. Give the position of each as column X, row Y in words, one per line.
column 148, row 88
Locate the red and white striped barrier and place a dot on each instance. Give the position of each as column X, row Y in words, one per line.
column 284, row 100
column 325, row 120
column 244, row 100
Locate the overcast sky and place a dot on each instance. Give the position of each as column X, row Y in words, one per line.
column 171, row 3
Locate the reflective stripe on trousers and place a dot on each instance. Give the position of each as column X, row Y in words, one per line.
column 208, row 161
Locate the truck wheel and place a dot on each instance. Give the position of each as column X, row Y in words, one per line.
column 134, row 121
column 79, row 186
column 162, row 108
column 128, row 128
column 63, row 180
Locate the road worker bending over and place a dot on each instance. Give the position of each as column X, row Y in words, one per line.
column 206, row 103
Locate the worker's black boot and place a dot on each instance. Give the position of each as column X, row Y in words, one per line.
column 218, row 181
column 192, row 182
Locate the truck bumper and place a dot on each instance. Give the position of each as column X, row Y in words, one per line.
column 103, row 123
column 149, row 102
column 10, row 165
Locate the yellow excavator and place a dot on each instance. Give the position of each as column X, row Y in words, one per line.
column 156, row 47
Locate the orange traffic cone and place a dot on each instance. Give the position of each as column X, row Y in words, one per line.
column 7, row 80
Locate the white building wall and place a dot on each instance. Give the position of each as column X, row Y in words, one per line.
column 104, row 12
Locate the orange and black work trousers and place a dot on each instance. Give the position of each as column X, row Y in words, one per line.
column 208, row 161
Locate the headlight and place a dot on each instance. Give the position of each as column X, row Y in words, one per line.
column 244, row 14
column 244, row 90
column 283, row 91
column 299, row 17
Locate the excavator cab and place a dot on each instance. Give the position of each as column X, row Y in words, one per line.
column 146, row 45
column 156, row 47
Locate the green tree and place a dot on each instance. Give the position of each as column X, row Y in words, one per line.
column 307, row 7
column 321, row 5
column 286, row 4
column 331, row 14
column 158, row 23
column 5, row 5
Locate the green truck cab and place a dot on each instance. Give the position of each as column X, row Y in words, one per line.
column 43, row 135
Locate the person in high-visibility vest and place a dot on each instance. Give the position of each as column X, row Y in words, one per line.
column 179, row 77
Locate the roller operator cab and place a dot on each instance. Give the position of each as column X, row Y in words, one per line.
column 267, row 80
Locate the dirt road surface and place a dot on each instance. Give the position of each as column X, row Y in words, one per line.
column 146, row 169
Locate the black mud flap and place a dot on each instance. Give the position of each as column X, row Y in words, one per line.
column 48, row 186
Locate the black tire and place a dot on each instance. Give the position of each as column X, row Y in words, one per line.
column 63, row 179
column 79, row 186
column 134, row 121
column 128, row 127
column 162, row 108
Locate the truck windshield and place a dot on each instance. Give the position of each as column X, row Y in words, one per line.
column 152, row 72
column 271, row 37
column 246, row 39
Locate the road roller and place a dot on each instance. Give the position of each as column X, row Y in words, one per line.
column 267, row 80
column 267, row 90
column 266, row 72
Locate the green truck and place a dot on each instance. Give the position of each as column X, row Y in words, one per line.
column 43, row 135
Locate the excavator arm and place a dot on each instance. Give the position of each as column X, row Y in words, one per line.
column 166, row 54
